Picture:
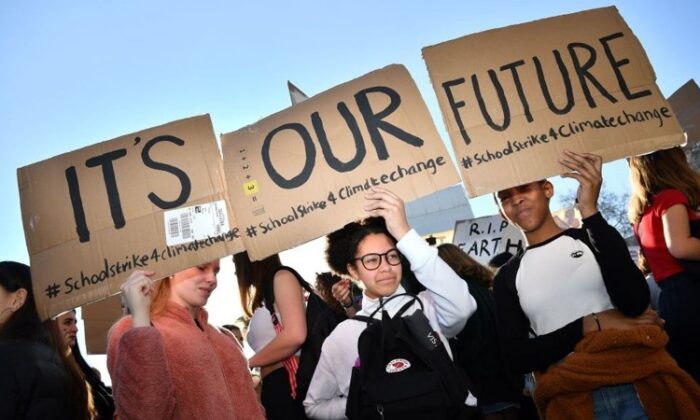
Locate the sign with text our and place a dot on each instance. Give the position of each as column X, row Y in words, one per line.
column 302, row 173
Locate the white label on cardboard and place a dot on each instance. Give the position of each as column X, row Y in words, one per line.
column 195, row 222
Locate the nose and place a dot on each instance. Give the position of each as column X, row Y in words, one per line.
column 210, row 276
column 74, row 328
column 517, row 198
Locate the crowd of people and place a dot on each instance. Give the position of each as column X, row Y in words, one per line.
column 400, row 328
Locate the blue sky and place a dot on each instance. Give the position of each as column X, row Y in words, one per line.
column 75, row 73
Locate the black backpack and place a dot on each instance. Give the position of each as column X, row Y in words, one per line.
column 405, row 371
column 321, row 320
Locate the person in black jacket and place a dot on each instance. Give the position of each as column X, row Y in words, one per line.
column 476, row 348
column 33, row 383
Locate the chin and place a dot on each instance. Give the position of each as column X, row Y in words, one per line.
column 389, row 290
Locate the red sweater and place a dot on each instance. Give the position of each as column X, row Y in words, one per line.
column 175, row 370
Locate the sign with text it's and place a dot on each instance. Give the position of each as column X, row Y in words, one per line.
column 302, row 173
column 151, row 200
column 514, row 98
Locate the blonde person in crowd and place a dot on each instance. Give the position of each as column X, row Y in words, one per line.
column 167, row 362
column 665, row 211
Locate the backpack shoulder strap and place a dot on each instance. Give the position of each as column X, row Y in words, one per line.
column 404, row 308
column 407, row 305
column 364, row 318
column 269, row 286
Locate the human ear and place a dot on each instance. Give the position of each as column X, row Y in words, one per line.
column 352, row 271
column 19, row 299
column 548, row 188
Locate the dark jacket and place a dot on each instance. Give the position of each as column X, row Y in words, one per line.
column 33, row 382
column 477, row 350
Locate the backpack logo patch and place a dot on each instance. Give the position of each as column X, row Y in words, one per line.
column 577, row 254
column 397, row 365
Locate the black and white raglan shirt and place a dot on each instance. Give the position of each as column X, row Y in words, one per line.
column 543, row 292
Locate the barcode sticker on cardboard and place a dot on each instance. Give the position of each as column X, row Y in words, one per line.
column 195, row 223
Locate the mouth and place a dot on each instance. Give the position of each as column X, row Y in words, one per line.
column 523, row 212
column 386, row 281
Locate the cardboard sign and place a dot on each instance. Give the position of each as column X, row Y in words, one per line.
column 485, row 237
column 514, row 98
column 685, row 102
column 302, row 173
column 152, row 200
column 98, row 318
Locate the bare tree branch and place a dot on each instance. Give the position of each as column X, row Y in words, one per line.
column 612, row 205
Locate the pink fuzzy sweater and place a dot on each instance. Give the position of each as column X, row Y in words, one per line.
column 175, row 370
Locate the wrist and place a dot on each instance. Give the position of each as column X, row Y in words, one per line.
column 401, row 232
column 349, row 305
column 591, row 323
column 140, row 320
column 587, row 211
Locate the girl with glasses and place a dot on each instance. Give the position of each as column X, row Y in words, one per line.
column 371, row 251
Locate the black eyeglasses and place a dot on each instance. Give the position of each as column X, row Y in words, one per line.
column 373, row 261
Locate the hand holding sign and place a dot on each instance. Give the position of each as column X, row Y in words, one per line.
column 138, row 291
column 384, row 203
column 587, row 170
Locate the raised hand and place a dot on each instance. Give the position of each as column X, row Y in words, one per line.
column 586, row 168
column 384, row 203
column 137, row 292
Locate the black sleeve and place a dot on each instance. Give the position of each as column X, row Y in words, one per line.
column 628, row 289
column 8, row 390
column 526, row 354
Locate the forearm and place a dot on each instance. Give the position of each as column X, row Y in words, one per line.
column 538, row 353
column 333, row 408
column 143, row 387
column 685, row 248
column 277, row 350
column 624, row 282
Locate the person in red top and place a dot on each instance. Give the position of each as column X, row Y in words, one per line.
column 167, row 362
column 663, row 208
